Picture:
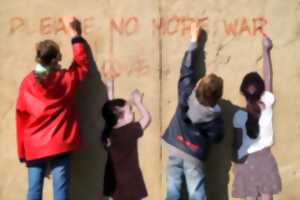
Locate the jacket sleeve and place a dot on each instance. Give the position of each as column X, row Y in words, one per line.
column 237, row 143
column 79, row 67
column 187, row 80
column 213, row 131
column 21, row 118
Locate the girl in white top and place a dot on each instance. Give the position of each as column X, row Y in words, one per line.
column 255, row 169
column 265, row 136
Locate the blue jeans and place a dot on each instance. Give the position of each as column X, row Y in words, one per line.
column 60, row 171
column 177, row 169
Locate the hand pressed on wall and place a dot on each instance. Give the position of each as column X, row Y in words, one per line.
column 195, row 31
column 137, row 96
column 72, row 25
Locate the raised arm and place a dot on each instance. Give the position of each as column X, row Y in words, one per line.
column 187, row 80
column 110, row 89
column 79, row 67
column 137, row 98
column 267, row 63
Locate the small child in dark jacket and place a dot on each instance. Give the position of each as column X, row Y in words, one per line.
column 195, row 125
column 123, row 176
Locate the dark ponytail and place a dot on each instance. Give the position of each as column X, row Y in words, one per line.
column 111, row 112
column 253, row 80
column 252, row 125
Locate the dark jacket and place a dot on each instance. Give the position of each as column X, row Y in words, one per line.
column 191, row 138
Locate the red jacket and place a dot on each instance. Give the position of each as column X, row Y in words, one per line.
column 46, row 118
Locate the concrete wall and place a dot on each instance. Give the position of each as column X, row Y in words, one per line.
column 145, row 42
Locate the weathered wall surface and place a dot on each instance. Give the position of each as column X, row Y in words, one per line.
column 145, row 42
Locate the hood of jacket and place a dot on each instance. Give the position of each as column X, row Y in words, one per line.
column 199, row 113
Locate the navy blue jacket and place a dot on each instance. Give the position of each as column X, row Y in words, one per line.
column 193, row 139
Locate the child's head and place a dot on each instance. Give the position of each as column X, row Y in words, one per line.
column 209, row 90
column 252, row 87
column 48, row 53
column 116, row 113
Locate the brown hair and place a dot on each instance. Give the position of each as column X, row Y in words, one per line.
column 254, row 80
column 209, row 90
column 47, row 52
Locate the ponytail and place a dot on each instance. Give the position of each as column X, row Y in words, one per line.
column 252, row 88
column 252, row 125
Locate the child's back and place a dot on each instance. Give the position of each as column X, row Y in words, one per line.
column 124, row 156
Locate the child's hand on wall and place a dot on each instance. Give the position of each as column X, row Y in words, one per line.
column 72, row 25
column 137, row 96
column 267, row 43
column 195, row 31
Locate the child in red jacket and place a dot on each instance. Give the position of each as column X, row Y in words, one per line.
column 46, row 117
